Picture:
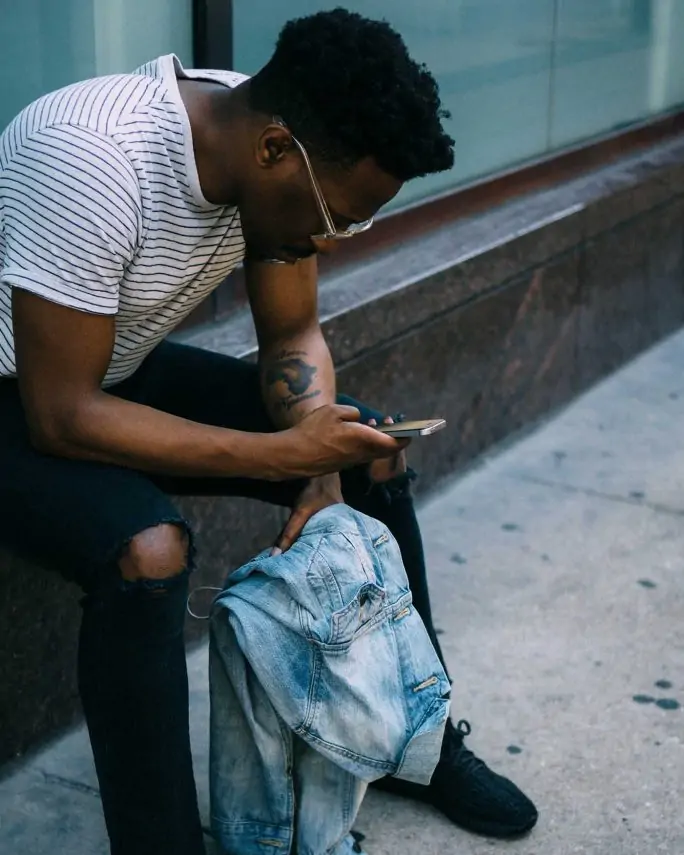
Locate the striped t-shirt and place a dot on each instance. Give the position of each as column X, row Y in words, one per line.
column 101, row 209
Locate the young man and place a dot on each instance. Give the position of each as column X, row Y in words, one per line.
column 123, row 202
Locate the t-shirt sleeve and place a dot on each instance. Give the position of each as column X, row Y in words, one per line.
column 71, row 217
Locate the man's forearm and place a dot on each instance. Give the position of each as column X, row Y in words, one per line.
column 297, row 376
column 111, row 430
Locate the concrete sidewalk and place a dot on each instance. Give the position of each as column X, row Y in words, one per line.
column 558, row 585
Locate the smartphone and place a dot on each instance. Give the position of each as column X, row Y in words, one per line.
column 424, row 427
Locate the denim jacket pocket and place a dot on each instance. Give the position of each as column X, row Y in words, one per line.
column 336, row 632
column 423, row 749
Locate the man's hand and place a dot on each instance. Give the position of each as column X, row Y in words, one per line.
column 318, row 494
column 331, row 439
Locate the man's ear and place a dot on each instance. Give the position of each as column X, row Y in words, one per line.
column 273, row 146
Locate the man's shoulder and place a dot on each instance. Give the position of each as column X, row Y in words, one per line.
column 98, row 105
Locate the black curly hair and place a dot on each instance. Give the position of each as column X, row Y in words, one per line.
column 347, row 88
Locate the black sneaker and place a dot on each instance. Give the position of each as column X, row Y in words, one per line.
column 358, row 840
column 466, row 790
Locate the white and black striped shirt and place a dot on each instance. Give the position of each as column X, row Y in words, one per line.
column 101, row 209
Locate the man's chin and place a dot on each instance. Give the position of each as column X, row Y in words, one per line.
column 273, row 259
column 274, row 256
column 277, row 254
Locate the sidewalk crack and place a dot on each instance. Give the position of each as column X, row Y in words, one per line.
column 79, row 787
column 599, row 494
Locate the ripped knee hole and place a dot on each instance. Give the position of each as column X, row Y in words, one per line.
column 155, row 554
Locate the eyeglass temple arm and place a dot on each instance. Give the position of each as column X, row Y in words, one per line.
column 318, row 193
column 322, row 204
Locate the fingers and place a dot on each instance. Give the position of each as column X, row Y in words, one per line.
column 346, row 413
column 392, row 444
column 388, row 420
column 398, row 445
column 292, row 530
column 381, row 444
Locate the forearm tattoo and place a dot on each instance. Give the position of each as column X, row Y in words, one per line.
column 290, row 369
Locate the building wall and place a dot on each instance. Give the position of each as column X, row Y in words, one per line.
column 47, row 44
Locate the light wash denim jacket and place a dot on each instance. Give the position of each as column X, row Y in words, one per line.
column 322, row 678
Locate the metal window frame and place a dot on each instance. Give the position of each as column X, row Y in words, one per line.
column 212, row 23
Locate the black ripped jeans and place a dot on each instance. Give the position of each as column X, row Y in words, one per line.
column 77, row 517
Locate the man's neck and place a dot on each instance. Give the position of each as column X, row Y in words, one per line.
column 215, row 139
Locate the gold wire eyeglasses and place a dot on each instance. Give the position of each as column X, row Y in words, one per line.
column 331, row 231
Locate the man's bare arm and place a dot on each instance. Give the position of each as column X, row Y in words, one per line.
column 297, row 373
column 62, row 357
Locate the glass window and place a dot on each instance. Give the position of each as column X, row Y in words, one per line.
column 492, row 59
column 521, row 77
column 666, row 60
column 602, row 56
column 47, row 44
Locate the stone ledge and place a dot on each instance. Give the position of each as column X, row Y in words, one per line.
column 463, row 260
